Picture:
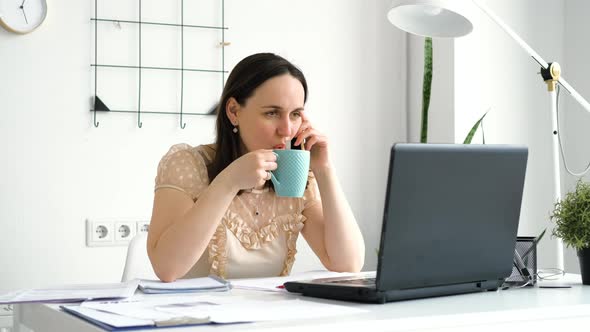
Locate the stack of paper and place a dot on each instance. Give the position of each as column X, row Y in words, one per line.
column 207, row 284
column 71, row 293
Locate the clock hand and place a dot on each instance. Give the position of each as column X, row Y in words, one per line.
column 22, row 7
column 24, row 14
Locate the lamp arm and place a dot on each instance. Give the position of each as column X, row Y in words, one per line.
column 531, row 52
column 574, row 94
column 484, row 8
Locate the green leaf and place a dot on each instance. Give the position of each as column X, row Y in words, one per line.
column 426, row 88
column 473, row 130
column 540, row 236
column 535, row 242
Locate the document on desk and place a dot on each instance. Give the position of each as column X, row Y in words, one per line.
column 139, row 311
column 72, row 293
column 258, row 311
column 201, row 309
column 274, row 284
column 205, row 284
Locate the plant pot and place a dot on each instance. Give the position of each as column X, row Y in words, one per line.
column 584, row 258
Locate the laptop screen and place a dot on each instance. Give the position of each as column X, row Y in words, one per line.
column 451, row 214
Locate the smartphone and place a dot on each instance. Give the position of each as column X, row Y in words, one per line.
column 293, row 147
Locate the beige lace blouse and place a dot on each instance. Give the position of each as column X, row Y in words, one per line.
column 258, row 232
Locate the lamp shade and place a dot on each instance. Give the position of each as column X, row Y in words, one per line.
column 430, row 18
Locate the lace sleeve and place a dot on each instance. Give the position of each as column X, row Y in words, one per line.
column 184, row 170
column 311, row 196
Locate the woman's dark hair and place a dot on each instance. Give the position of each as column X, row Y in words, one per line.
column 246, row 77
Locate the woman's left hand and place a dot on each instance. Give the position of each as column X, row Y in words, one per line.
column 315, row 142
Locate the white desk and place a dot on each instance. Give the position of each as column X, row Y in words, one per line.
column 528, row 309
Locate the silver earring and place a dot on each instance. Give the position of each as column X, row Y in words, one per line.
column 235, row 130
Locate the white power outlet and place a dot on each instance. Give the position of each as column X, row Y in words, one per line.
column 99, row 233
column 6, row 310
column 143, row 226
column 124, row 232
column 108, row 233
column 6, row 317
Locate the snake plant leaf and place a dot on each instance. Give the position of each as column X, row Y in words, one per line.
column 473, row 130
column 540, row 236
column 535, row 242
column 426, row 88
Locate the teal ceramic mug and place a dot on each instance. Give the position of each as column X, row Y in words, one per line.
column 290, row 177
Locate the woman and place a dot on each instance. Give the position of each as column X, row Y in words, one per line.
column 215, row 211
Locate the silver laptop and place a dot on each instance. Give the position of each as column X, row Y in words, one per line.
column 449, row 225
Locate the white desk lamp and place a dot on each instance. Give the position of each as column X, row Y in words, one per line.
column 446, row 18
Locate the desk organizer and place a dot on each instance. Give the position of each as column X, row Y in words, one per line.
column 527, row 248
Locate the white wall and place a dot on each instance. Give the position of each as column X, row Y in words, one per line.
column 58, row 169
column 574, row 120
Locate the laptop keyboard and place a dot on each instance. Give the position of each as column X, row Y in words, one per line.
column 359, row 281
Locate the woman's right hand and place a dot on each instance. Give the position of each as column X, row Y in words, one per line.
column 252, row 169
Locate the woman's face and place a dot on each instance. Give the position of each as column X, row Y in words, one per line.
column 271, row 116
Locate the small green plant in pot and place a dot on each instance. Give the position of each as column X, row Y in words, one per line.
column 572, row 218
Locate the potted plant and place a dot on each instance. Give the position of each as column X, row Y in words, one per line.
column 572, row 218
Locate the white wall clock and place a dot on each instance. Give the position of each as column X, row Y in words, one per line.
column 22, row 16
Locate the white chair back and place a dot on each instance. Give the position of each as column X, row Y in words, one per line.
column 137, row 264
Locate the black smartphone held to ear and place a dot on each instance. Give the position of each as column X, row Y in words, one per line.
column 293, row 147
